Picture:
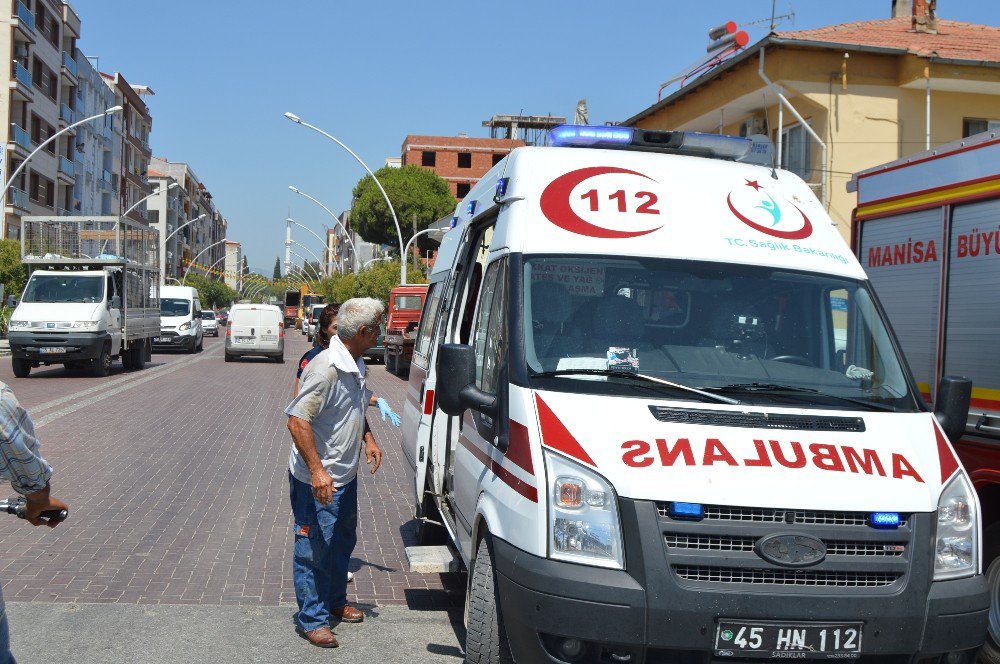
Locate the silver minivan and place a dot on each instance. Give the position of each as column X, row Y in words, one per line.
column 255, row 330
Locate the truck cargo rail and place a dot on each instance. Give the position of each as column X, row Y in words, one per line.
column 89, row 241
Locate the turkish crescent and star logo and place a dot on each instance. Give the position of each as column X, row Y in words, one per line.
column 761, row 212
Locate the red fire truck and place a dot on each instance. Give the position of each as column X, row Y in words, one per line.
column 927, row 231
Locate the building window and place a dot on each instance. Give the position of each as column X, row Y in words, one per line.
column 465, row 160
column 497, row 158
column 42, row 189
column 462, row 189
column 795, row 151
column 972, row 126
column 428, row 158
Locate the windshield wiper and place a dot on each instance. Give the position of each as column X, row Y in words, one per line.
column 638, row 377
column 774, row 388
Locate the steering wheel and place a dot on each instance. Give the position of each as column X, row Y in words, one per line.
column 794, row 359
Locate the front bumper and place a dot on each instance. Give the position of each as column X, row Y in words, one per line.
column 172, row 340
column 75, row 346
column 652, row 615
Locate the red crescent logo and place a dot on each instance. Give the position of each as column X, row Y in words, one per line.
column 555, row 204
column 798, row 234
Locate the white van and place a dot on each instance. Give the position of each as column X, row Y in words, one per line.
column 180, row 320
column 255, row 330
column 657, row 408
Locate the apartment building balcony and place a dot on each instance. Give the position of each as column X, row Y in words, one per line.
column 18, row 199
column 105, row 180
column 21, row 86
column 68, row 69
column 67, row 170
column 66, row 114
column 24, row 21
column 19, row 141
column 71, row 20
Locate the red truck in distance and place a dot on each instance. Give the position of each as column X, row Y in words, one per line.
column 404, row 306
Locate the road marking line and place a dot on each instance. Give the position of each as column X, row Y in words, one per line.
column 51, row 417
column 122, row 378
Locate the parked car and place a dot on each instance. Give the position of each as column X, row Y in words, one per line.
column 222, row 317
column 255, row 330
column 310, row 326
column 209, row 322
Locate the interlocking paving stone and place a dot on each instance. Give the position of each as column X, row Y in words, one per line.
column 177, row 481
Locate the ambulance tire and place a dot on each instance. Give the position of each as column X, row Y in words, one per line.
column 990, row 652
column 485, row 638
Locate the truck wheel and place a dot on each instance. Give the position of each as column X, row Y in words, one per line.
column 990, row 652
column 21, row 367
column 390, row 362
column 102, row 363
column 485, row 638
column 139, row 361
column 128, row 359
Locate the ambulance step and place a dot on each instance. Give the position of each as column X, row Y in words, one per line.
column 430, row 559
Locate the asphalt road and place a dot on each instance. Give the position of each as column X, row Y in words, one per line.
column 178, row 545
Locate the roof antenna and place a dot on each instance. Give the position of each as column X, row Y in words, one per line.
column 772, row 14
column 767, row 121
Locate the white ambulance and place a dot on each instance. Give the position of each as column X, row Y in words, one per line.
column 658, row 410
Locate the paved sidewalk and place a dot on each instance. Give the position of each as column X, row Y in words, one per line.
column 42, row 633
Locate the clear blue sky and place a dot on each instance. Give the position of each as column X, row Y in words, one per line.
column 372, row 72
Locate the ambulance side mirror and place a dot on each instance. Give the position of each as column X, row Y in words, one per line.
column 951, row 408
column 456, row 382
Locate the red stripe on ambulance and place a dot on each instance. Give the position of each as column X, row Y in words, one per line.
column 768, row 454
column 949, row 464
column 557, row 436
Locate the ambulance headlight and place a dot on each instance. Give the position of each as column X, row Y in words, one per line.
column 584, row 526
column 957, row 552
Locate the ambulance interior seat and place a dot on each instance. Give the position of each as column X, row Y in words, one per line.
column 737, row 327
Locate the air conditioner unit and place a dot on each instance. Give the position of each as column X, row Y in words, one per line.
column 755, row 124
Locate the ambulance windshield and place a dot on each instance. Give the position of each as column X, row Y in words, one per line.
column 760, row 334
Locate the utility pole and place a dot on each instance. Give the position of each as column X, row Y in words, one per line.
column 288, row 245
column 416, row 249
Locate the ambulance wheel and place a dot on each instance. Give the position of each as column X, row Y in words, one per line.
column 485, row 638
column 990, row 652
column 21, row 367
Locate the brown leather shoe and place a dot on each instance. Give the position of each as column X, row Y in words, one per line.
column 348, row 614
column 320, row 637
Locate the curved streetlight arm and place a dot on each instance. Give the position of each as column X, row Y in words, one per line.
column 173, row 279
column 347, row 234
column 305, row 264
column 186, row 223
column 297, row 120
column 314, row 234
column 17, row 171
column 313, row 253
column 159, row 190
column 380, row 258
column 194, row 261
column 406, row 254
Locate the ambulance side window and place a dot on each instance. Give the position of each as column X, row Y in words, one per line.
column 483, row 316
column 428, row 320
column 494, row 350
column 837, row 302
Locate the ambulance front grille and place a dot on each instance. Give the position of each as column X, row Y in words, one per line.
column 833, row 548
column 767, row 515
column 780, row 577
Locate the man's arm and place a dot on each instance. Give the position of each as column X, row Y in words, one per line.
column 314, row 390
column 21, row 462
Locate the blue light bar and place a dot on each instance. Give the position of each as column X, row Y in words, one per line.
column 686, row 510
column 470, row 207
column 502, row 187
column 586, row 135
column 454, row 222
column 715, row 145
column 885, row 519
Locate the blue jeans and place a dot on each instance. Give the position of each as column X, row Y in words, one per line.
column 5, row 655
column 325, row 536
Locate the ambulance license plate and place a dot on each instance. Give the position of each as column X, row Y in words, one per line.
column 769, row 640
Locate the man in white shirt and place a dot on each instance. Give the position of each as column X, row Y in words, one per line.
column 328, row 427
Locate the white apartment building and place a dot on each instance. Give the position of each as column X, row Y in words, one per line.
column 233, row 265
column 135, row 152
column 99, row 145
column 41, row 98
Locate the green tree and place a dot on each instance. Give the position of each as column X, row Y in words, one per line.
column 212, row 293
column 412, row 190
column 277, row 268
column 13, row 273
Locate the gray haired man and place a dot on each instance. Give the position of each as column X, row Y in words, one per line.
column 328, row 427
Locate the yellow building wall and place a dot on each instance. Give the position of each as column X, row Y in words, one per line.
column 870, row 121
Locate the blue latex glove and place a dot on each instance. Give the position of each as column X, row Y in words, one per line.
column 386, row 410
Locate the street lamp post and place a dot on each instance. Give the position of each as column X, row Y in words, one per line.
column 17, row 171
column 305, row 264
column 288, row 235
column 142, row 200
column 406, row 253
column 194, row 261
column 163, row 242
column 347, row 234
column 297, row 120
column 380, row 258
